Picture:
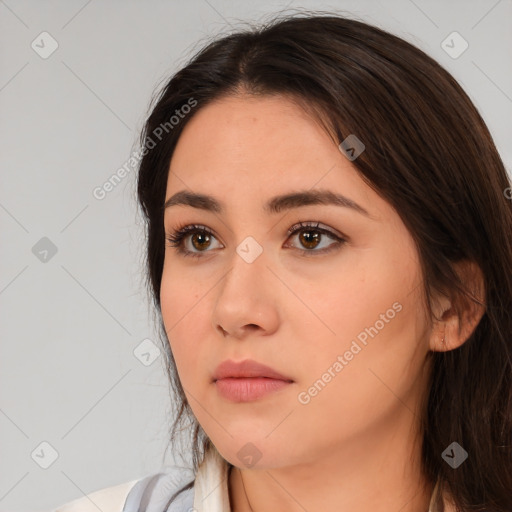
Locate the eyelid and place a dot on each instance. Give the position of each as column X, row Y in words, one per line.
column 181, row 232
column 339, row 240
column 317, row 226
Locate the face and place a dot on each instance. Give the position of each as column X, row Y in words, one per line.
column 328, row 295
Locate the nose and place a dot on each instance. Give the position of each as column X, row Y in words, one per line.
column 246, row 302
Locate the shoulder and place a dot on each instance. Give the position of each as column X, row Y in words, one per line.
column 153, row 490
column 110, row 498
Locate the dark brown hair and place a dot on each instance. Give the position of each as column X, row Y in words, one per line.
column 430, row 155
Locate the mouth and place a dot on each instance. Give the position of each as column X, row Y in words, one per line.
column 248, row 380
column 248, row 389
column 247, row 369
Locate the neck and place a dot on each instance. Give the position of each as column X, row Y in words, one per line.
column 380, row 471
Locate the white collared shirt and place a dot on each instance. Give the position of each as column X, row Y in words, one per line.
column 152, row 493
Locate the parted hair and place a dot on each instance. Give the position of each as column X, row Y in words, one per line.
column 430, row 155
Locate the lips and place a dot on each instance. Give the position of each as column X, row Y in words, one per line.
column 247, row 369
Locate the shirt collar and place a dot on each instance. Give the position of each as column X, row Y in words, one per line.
column 211, row 484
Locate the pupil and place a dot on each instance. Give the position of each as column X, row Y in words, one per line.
column 202, row 245
column 309, row 240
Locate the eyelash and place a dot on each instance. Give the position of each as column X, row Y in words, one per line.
column 176, row 238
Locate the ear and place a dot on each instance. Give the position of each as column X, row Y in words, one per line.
column 456, row 320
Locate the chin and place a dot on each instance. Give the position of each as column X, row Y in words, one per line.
column 258, row 454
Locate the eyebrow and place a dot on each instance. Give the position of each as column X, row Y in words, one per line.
column 273, row 206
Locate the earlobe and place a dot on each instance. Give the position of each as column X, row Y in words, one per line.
column 458, row 320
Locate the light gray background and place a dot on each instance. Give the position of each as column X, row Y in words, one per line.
column 69, row 325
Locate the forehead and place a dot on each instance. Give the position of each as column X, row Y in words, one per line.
column 247, row 151
column 255, row 137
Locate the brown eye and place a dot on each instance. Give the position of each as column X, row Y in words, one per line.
column 196, row 241
column 200, row 241
column 311, row 236
column 310, row 239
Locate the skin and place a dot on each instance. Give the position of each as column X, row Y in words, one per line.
column 356, row 444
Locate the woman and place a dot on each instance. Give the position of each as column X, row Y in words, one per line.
column 329, row 247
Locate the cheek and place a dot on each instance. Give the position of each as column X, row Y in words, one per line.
column 377, row 378
column 372, row 316
column 180, row 300
column 182, row 291
column 347, row 297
